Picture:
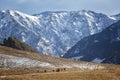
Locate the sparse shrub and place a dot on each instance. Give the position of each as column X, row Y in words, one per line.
column 58, row 70
column 45, row 70
column 64, row 69
column 38, row 71
column 53, row 70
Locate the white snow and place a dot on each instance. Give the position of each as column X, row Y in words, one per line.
column 83, row 66
column 88, row 15
column 112, row 17
column 76, row 51
column 95, row 41
column 9, row 61
column 118, row 38
column 98, row 60
column 88, row 66
column 26, row 19
column 77, row 58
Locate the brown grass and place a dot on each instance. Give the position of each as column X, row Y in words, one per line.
column 68, row 75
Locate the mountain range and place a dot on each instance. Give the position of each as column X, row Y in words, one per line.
column 103, row 47
column 53, row 33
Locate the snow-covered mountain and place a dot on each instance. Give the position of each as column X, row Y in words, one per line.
column 52, row 33
column 102, row 47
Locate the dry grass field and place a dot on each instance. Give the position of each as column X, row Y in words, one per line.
column 67, row 75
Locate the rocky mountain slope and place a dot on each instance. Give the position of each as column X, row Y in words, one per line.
column 52, row 33
column 102, row 47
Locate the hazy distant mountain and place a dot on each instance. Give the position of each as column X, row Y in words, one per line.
column 102, row 47
column 52, row 32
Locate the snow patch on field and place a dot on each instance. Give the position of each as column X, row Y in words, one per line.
column 98, row 60
column 8, row 61
column 77, row 58
column 88, row 66
column 83, row 66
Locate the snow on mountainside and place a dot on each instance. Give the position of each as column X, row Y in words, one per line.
column 52, row 33
column 117, row 16
column 103, row 47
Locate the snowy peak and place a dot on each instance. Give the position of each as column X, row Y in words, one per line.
column 21, row 18
column 28, row 19
column 52, row 33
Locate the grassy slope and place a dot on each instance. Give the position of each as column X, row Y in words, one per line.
column 37, row 56
column 112, row 72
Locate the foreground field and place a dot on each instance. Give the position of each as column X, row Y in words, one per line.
column 22, row 65
column 67, row 75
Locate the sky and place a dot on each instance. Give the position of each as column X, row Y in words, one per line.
column 109, row 7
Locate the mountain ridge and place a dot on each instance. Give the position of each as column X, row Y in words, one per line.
column 52, row 33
